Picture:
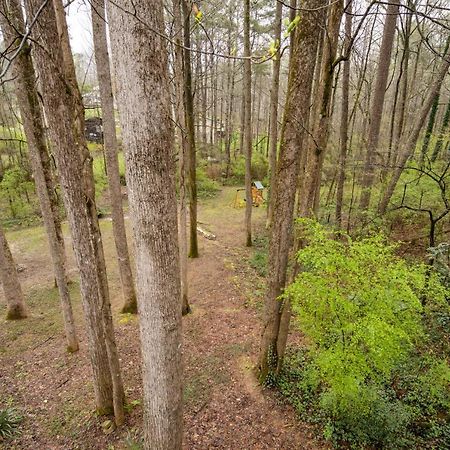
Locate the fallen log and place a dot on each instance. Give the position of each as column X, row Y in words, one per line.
column 206, row 234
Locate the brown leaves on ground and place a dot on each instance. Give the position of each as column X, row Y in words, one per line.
column 224, row 406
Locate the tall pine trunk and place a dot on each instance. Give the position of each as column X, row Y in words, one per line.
column 12, row 23
column 183, row 155
column 343, row 130
column 61, row 100
column 317, row 151
column 248, row 125
column 112, row 163
column 273, row 122
column 301, row 72
column 144, row 106
column 190, row 131
column 376, row 112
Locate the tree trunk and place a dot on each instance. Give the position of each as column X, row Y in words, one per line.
column 190, row 131
column 27, row 95
column 384, row 60
column 343, row 131
column 231, row 65
column 442, row 133
column 183, row 156
column 112, row 164
column 273, row 123
column 316, row 153
column 204, row 97
column 66, row 131
column 15, row 303
column 242, row 124
column 408, row 148
column 248, row 124
column 402, row 106
column 301, row 72
column 68, row 64
column 148, row 141
column 429, row 129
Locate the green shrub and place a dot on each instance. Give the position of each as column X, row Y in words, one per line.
column 360, row 308
column 206, row 188
column 260, row 168
column 15, row 191
column 10, row 420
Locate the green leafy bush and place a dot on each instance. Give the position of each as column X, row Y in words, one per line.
column 260, row 168
column 15, row 190
column 206, row 187
column 10, row 420
column 362, row 311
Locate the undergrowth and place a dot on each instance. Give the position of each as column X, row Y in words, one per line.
column 10, row 419
column 375, row 372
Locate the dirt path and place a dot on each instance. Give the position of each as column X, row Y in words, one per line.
column 224, row 406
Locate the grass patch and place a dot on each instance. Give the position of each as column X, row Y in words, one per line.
column 208, row 372
column 44, row 321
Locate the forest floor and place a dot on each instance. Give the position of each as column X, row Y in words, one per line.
column 224, row 406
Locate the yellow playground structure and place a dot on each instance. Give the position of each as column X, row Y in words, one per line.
column 257, row 195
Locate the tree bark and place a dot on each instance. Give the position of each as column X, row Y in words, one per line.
column 429, row 129
column 442, row 133
column 190, row 130
column 301, row 72
column 12, row 23
column 343, row 130
column 61, row 101
column 384, row 60
column 15, row 302
column 403, row 104
column 144, row 105
column 183, row 156
column 231, row 66
column 273, row 123
column 248, row 125
column 316, row 153
column 112, row 164
column 408, row 148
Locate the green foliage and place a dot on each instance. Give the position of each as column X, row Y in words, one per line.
column 98, row 167
column 10, row 420
column 206, row 187
column 361, row 310
column 14, row 192
column 260, row 169
column 100, row 177
column 420, row 188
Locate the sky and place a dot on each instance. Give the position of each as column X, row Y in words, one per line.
column 79, row 22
